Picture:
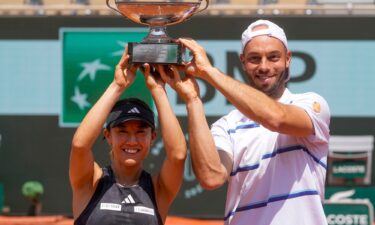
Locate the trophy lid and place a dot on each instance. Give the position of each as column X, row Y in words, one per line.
column 157, row 12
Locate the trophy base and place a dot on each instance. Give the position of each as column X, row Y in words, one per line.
column 155, row 53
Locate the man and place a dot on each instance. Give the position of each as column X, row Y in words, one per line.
column 272, row 149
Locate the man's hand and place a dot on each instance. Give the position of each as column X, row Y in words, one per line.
column 200, row 63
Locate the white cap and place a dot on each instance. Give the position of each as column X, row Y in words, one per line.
column 272, row 30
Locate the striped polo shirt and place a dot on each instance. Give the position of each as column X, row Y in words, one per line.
column 276, row 179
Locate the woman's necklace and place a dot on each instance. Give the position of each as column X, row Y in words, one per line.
column 133, row 184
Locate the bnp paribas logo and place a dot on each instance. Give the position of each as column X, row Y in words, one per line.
column 89, row 57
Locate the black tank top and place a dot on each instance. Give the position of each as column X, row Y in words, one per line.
column 113, row 204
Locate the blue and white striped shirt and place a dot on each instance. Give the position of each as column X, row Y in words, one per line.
column 276, row 179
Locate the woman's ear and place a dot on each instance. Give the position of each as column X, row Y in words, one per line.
column 153, row 137
column 107, row 136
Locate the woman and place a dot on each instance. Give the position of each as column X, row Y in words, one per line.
column 123, row 193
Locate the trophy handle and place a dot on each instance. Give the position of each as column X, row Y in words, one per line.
column 205, row 7
column 109, row 5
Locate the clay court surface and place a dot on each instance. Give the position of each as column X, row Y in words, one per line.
column 61, row 220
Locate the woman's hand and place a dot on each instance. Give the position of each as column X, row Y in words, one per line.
column 125, row 72
column 152, row 77
column 187, row 88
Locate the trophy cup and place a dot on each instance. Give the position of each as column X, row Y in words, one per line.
column 157, row 47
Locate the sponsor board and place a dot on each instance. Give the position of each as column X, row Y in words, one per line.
column 349, row 212
column 89, row 58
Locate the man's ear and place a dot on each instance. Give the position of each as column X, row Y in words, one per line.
column 242, row 60
column 288, row 58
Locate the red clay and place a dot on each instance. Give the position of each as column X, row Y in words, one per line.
column 61, row 220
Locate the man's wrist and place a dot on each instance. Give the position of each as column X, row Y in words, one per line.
column 193, row 101
column 210, row 71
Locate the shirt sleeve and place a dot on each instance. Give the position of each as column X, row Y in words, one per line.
column 222, row 139
column 318, row 110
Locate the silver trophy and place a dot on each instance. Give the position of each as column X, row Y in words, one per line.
column 157, row 47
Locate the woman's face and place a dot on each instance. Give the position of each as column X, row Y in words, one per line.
column 130, row 142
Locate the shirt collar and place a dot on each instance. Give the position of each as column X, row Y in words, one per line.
column 286, row 98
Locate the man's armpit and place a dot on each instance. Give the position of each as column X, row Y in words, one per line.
column 226, row 160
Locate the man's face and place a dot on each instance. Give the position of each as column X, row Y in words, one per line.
column 265, row 61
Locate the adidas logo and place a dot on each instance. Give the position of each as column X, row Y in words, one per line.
column 134, row 110
column 128, row 200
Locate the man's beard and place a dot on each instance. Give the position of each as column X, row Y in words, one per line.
column 273, row 91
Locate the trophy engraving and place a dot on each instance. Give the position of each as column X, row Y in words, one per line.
column 157, row 47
